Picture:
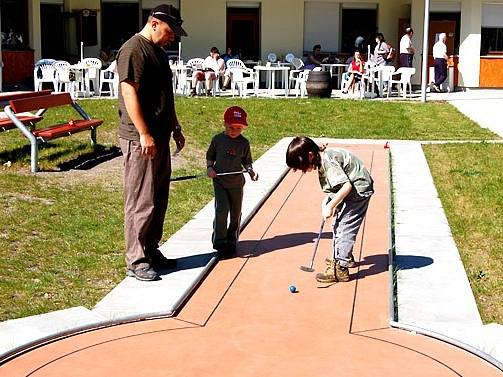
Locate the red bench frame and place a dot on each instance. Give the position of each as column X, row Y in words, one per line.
column 42, row 103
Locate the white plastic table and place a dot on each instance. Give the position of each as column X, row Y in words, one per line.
column 80, row 71
column 271, row 75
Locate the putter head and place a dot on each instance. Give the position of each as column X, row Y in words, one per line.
column 307, row 269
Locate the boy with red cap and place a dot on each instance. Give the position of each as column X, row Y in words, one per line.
column 228, row 152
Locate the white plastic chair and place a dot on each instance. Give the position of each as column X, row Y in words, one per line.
column 44, row 73
column 403, row 82
column 235, row 63
column 271, row 57
column 110, row 77
column 241, row 78
column 64, row 78
column 191, row 65
column 93, row 73
column 294, row 73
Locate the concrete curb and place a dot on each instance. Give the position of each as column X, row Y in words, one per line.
column 433, row 291
column 132, row 300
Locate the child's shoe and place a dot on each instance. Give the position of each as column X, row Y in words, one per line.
column 328, row 276
column 341, row 273
column 351, row 263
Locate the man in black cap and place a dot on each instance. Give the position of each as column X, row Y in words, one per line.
column 147, row 120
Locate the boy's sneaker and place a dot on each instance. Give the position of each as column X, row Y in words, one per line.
column 328, row 276
column 341, row 273
column 143, row 274
column 222, row 249
column 351, row 263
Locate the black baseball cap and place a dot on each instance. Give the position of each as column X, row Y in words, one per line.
column 170, row 15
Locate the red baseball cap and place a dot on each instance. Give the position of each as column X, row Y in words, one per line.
column 235, row 116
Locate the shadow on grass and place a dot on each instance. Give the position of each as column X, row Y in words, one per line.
column 55, row 152
column 90, row 160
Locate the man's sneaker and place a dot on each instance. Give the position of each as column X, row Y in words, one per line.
column 193, row 93
column 351, row 263
column 143, row 274
column 159, row 261
column 341, row 273
column 328, row 276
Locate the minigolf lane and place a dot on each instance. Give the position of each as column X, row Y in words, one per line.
column 243, row 321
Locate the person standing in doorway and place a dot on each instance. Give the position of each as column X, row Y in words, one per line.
column 407, row 49
column 147, row 121
column 440, row 57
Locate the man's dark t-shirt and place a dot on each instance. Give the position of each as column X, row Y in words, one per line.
column 142, row 62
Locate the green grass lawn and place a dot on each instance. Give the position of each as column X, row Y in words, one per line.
column 469, row 179
column 61, row 236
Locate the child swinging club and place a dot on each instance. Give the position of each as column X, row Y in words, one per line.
column 348, row 186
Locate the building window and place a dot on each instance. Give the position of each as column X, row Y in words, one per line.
column 492, row 29
column 14, row 24
column 491, row 41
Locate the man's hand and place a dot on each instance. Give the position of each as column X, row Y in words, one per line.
column 211, row 172
column 179, row 140
column 147, row 145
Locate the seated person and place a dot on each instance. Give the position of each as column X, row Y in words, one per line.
column 355, row 72
column 229, row 55
column 213, row 67
column 227, row 75
column 314, row 59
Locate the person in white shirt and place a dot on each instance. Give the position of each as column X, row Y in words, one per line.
column 407, row 49
column 440, row 57
column 213, row 67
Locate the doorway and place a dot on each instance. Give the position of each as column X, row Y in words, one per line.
column 449, row 23
column 51, row 25
column 119, row 22
column 243, row 32
column 359, row 27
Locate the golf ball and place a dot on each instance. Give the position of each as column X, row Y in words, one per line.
column 293, row 288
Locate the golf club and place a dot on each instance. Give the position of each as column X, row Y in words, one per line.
column 186, row 177
column 310, row 268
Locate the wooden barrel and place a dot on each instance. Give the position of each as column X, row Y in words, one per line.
column 319, row 84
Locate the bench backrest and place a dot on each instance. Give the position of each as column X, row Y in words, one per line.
column 42, row 102
column 6, row 97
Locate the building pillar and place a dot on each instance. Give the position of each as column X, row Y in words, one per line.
column 417, row 24
column 34, row 28
column 469, row 49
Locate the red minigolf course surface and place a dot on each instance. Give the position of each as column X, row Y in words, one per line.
column 243, row 321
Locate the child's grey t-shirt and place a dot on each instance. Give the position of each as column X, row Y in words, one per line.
column 229, row 155
column 339, row 166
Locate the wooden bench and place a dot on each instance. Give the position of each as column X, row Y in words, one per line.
column 38, row 136
column 28, row 119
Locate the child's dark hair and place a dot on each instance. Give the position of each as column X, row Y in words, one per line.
column 297, row 154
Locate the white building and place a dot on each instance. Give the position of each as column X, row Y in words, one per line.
column 54, row 28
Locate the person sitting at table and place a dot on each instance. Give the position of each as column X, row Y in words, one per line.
column 314, row 59
column 227, row 75
column 213, row 67
column 355, row 72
